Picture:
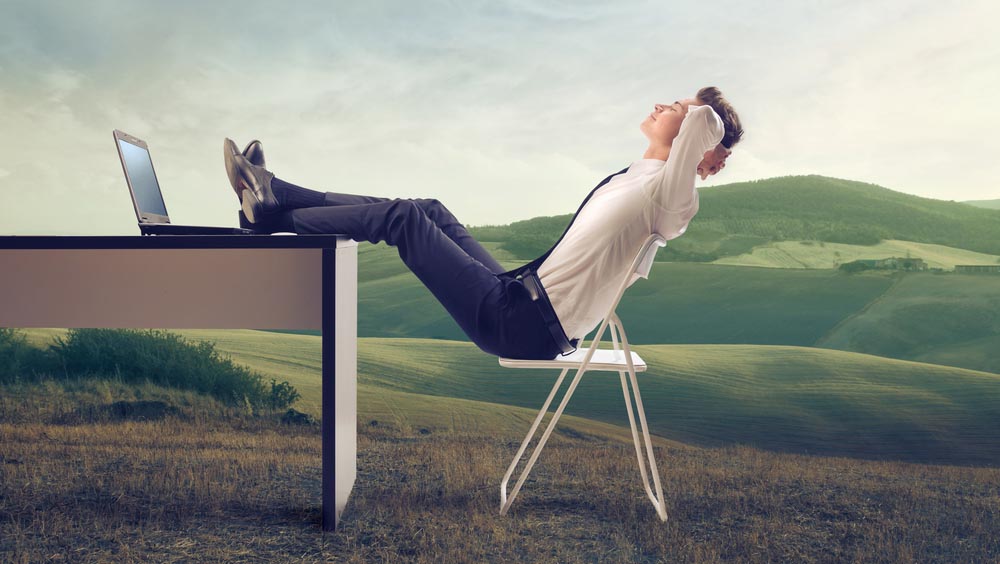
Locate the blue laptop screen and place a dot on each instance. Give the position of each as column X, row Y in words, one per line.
column 142, row 179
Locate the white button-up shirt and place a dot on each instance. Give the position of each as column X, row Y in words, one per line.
column 583, row 273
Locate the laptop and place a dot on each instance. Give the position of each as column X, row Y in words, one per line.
column 146, row 196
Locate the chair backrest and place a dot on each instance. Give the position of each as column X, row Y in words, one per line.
column 643, row 259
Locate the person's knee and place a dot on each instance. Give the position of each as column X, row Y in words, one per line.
column 437, row 211
column 405, row 214
column 406, row 207
column 429, row 205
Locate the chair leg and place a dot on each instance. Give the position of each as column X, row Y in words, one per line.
column 505, row 503
column 657, row 499
column 527, row 439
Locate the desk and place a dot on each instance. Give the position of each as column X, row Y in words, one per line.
column 205, row 282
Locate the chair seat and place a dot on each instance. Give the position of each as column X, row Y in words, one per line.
column 603, row 359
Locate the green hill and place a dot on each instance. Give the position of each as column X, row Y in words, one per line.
column 713, row 303
column 735, row 217
column 778, row 398
column 953, row 319
column 988, row 204
column 706, row 303
column 679, row 303
column 794, row 399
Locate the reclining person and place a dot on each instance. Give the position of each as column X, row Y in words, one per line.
column 544, row 308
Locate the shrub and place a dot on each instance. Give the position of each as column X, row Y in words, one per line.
column 282, row 395
column 854, row 266
column 12, row 344
column 166, row 359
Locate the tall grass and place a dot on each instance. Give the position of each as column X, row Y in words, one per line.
column 207, row 488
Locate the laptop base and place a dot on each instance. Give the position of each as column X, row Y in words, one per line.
column 171, row 229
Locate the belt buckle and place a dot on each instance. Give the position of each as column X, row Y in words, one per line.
column 530, row 283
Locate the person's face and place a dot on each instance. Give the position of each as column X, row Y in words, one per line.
column 713, row 161
column 663, row 124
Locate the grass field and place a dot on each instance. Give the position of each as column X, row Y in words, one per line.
column 708, row 303
column 699, row 303
column 953, row 319
column 818, row 254
column 211, row 485
column 790, row 399
column 679, row 303
column 778, row 398
column 988, row 204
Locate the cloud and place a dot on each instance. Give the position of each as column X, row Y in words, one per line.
column 503, row 110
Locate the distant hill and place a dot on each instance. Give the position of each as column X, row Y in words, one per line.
column 988, row 204
column 820, row 254
column 733, row 218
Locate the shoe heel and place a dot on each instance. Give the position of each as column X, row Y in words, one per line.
column 244, row 222
column 250, row 203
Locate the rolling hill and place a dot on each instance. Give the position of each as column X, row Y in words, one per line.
column 679, row 303
column 733, row 218
column 694, row 303
column 953, row 320
column 988, row 204
column 790, row 399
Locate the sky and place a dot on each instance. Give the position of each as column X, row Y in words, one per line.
column 502, row 109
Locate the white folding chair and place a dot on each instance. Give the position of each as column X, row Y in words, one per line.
column 600, row 360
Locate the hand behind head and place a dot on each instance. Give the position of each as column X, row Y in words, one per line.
column 713, row 161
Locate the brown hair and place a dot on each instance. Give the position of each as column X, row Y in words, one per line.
column 711, row 96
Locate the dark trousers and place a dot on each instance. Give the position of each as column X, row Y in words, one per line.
column 494, row 310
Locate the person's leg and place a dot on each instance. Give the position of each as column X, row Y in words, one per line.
column 454, row 229
column 292, row 196
column 468, row 289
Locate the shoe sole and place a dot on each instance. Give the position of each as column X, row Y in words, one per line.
column 229, row 149
column 250, row 204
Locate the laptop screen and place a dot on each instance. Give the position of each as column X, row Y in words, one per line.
column 142, row 179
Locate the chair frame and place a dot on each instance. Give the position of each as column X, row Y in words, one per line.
column 625, row 365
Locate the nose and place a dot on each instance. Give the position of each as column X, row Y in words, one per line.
column 657, row 107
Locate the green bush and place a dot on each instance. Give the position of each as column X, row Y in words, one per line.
column 12, row 344
column 854, row 266
column 282, row 395
column 21, row 362
column 166, row 359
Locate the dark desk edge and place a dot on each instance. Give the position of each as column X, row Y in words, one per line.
column 175, row 241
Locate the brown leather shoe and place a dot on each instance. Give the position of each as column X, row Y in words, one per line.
column 254, row 183
column 254, row 152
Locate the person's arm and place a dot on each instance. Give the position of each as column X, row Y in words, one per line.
column 673, row 187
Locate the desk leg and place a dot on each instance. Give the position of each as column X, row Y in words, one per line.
column 340, row 388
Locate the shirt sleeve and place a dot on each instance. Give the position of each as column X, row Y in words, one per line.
column 673, row 187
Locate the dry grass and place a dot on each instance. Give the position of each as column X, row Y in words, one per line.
column 194, row 487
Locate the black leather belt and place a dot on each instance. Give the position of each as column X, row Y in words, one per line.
column 534, row 286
